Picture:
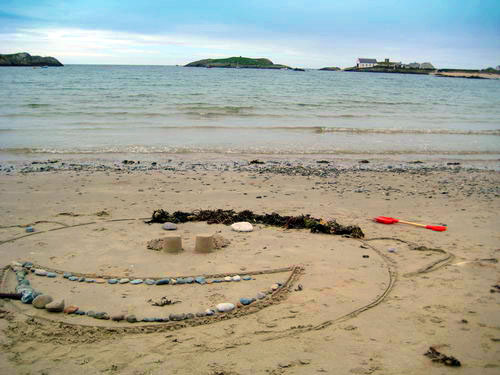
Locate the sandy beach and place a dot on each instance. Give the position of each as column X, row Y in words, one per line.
column 366, row 306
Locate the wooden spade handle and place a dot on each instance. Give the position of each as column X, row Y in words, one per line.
column 411, row 223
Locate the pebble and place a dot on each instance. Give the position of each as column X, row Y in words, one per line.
column 80, row 312
column 101, row 315
column 118, row 317
column 161, row 319
column 81, row 279
column 30, row 229
column 200, row 314
column 67, row 275
column 16, row 264
column 124, row 281
column 51, row 274
column 224, row 307
column 173, row 281
column 91, row 313
column 275, row 287
column 391, row 249
column 148, row 319
column 209, row 312
column 189, row 280
column 217, row 281
column 71, row 309
column 228, row 278
column 180, row 280
column 100, row 281
column 177, row 317
column 169, row 226
column 89, row 280
column 246, row 301
column 246, row 278
column 149, row 282
column 40, row 272
column 27, row 264
column 236, row 278
column 41, row 301
column 189, row 316
column 261, row 295
column 162, row 281
column 55, row 306
column 113, row 281
column 200, row 280
column 136, row 281
column 24, row 282
column 72, row 278
column 242, row 226
column 131, row 319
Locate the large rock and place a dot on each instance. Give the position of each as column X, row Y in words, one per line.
column 55, row 306
column 225, row 307
column 41, row 301
column 25, row 59
column 242, row 226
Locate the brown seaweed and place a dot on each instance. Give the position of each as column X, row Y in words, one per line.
column 228, row 217
column 436, row 356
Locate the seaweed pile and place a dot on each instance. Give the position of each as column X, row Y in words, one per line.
column 229, row 217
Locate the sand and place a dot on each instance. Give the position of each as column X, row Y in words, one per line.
column 366, row 307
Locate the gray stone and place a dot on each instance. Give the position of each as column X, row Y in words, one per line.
column 80, row 312
column 72, row 278
column 177, row 317
column 55, row 306
column 189, row 316
column 41, row 272
column 41, row 301
column 180, row 280
column 200, row 280
column 236, row 278
column 261, row 295
column 118, row 317
column 246, row 278
column 124, row 281
column 162, row 281
column 131, row 319
column 27, row 265
column 169, row 226
column 51, row 274
column 101, row 315
column 91, row 313
column 113, row 281
column 148, row 320
column 149, row 282
column 67, row 275
column 209, row 312
column 81, row 279
column 89, row 280
column 246, row 301
column 200, row 314
column 189, row 280
column 30, row 229
column 136, row 282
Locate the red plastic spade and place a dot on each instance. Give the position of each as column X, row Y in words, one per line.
column 390, row 220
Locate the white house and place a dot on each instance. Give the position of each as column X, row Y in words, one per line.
column 365, row 63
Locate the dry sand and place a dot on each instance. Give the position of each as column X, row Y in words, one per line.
column 310, row 331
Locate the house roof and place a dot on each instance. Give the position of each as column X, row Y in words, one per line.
column 367, row 61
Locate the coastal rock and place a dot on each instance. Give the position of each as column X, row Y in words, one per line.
column 225, row 307
column 124, row 281
column 72, row 278
column 180, row 280
column 55, row 306
column 169, row 226
column 228, row 278
column 80, row 312
column 91, row 313
column 200, row 314
column 71, row 309
column 40, row 272
column 136, row 281
column 189, row 316
column 81, row 279
column 149, row 282
column 261, row 295
column 236, row 278
column 41, row 301
column 25, row 59
column 51, row 274
column 237, row 62
column 242, row 226
column 101, row 315
column 131, row 319
column 246, row 278
column 67, row 275
column 99, row 281
column 189, row 280
column 89, row 280
column 209, row 312
column 27, row 265
column 148, row 320
column 113, row 281
column 200, row 280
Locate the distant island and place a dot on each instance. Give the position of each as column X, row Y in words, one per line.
column 331, row 68
column 25, row 59
column 238, row 63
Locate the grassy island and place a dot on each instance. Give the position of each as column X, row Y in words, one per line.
column 237, row 62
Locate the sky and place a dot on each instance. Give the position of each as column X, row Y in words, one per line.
column 299, row 33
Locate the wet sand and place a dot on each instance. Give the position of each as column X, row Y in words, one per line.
column 355, row 314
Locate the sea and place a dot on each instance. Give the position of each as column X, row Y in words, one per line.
column 112, row 109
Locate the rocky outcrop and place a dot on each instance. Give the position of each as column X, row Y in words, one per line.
column 237, row 63
column 25, row 59
column 331, row 68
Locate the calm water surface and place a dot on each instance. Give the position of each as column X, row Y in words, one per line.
column 145, row 109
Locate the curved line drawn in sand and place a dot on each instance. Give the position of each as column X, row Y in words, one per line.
column 276, row 297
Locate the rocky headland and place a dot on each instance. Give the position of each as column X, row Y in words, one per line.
column 25, row 59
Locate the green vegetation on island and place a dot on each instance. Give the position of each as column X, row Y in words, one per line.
column 237, row 62
column 25, row 59
column 331, row 68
